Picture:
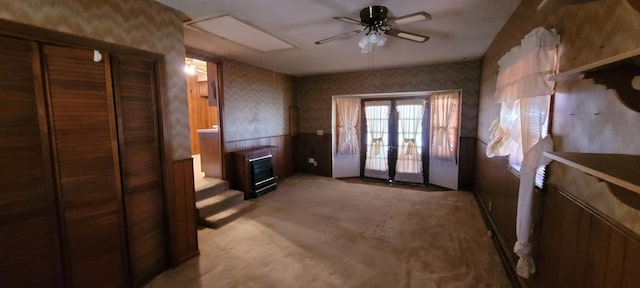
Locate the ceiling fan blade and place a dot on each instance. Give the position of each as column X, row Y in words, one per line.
column 343, row 35
column 408, row 36
column 414, row 17
column 348, row 20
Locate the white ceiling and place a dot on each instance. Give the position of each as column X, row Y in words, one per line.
column 460, row 30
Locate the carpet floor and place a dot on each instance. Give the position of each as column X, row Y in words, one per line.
column 322, row 232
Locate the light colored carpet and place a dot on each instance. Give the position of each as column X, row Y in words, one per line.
column 321, row 232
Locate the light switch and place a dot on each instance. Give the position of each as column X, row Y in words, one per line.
column 320, row 132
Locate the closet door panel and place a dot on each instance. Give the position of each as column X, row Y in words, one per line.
column 134, row 82
column 87, row 168
column 29, row 245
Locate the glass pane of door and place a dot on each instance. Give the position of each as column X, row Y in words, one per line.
column 377, row 120
column 410, row 135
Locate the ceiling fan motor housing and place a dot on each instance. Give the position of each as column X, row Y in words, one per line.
column 375, row 17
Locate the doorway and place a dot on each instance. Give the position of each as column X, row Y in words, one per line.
column 429, row 142
column 393, row 135
column 203, row 84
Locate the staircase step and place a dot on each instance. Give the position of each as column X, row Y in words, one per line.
column 211, row 188
column 219, row 219
column 219, row 202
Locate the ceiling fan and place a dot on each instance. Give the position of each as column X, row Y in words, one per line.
column 377, row 25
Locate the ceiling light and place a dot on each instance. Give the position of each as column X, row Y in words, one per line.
column 228, row 27
column 373, row 37
column 190, row 69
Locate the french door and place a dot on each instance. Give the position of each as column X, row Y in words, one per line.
column 394, row 139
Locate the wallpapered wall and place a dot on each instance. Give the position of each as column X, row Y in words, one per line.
column 256, row 101
column 586, row 117
column 315, row 92
column 142, row 24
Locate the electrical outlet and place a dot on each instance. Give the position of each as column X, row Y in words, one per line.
column 319, row 132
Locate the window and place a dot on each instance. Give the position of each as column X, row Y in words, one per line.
column 533, row 117
column 524, row 91
column 445, row 112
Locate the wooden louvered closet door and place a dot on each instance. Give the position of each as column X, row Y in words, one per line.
column 29, row 245
column 84, row 144
column 135, row 91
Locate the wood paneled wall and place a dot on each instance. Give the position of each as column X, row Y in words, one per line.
column 318, row 147
column 283, row 158
column 181, row 208
column 466, row 163
column 580, row 248
column 574, row 246
column 497, row 188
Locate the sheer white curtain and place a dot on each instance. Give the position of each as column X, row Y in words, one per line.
column 523, row 89
column 348, row 114
column 409, row 164
column 377, row 118
column 445, row 107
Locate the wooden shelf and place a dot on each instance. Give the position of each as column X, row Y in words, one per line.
column 620, row 169
column 615, row 72
column 552, row 4
column 578, row 72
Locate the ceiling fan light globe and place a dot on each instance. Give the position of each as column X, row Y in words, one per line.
column 363, row 42
column 367, row 48
column 373, row 37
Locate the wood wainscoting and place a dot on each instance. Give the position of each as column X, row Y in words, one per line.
column 318, row 147
column 181, row 209
column 574, row 246
column 497, row 191
column 466, row 163
column 283, row 159
column 579, row 247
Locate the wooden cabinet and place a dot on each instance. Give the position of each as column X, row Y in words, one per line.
column 241, row 174
column 210, row 152
column 28, row 219
column 202, row 89
column 141, row 170
column 86, row 165
column 82, row 199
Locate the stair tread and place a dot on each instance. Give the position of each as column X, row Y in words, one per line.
column 218, row 198
column 229, row 212
column 210, row 183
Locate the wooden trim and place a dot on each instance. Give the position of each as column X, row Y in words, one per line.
column 266, row 137
column 184, row 243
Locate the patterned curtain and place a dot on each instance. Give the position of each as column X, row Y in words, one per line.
column 445, row 111
column 348, row 114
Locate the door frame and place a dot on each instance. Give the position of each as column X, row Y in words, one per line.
column 209, row 57
column 392, row 153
